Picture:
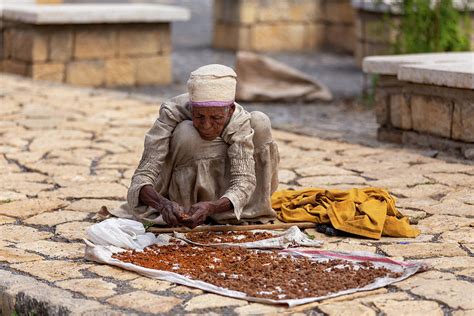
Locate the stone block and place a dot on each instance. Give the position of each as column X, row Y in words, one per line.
column 390, row 135
column 94, row 42
column 165, row 38
column 247, row 11
column 207, row 301
column 463, row 121
column 400, row 112
column 144, row 302
column 7, row 43
column 233, row 36
column 227, row 11
column 218, row 10
column 153, row 70
column 435, row 142
column 458, row 75
column 48, row 71
column 381, row 107
column 390, row 65
column 314, row 34
column 138, row 40
column 339, row 11
column 432, row 115
column 61, row 44
column 85, row 73
column 388, row 81
column 341, row 37
column 119, row 72
column 101, row 15
column 287, row 10
column 278, row 37
column 15, row 67
column 305, row 11
column 273, row 11
column 296, row 39
column 244, row 37
column 28, row 45
column 226, row 36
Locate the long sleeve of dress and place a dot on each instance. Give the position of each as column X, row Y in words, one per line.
column 242, row 168
column 156, row 148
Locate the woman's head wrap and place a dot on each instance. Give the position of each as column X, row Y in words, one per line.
column 212, row 85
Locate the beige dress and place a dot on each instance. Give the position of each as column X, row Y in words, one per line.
column 241, row 165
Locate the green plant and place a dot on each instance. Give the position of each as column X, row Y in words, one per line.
column 432, row 26
column 147, row 225
column 368, row 92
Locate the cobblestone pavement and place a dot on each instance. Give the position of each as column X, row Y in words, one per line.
column 64, row 152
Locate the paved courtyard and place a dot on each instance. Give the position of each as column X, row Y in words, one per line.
column 65, row 152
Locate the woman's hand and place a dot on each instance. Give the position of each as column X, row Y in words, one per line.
column 171, row 211
column 198, row 213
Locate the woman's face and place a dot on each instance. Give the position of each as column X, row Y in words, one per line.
column 210, row 121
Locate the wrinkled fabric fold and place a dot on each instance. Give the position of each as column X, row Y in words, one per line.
column 368, row 212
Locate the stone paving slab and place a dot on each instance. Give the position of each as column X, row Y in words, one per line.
column 65, row 152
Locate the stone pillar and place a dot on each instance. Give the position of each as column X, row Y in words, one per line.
column 425, row 99
column 263, row 25
column 96, row 52
column 339, row 17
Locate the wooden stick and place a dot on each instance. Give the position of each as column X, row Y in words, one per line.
column 226, row 228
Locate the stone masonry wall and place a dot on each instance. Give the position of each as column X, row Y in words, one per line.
column 89, row 55
column 284, row 25
column 434, row 116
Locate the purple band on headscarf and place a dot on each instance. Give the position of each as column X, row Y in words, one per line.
column 212, row 103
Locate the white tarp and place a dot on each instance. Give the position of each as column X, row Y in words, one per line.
column 100, row 252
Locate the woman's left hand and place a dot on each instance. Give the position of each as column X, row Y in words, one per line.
column 198, row 214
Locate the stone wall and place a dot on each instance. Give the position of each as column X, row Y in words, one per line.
column 427, row 115
column 284, row 25
column 89, row 55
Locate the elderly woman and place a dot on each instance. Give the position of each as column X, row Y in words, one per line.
column 205, row 156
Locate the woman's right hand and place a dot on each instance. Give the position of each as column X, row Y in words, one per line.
column 171, row 211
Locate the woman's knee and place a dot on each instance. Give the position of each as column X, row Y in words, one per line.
column 186, row 143
column 262, row 128
column 184, row 135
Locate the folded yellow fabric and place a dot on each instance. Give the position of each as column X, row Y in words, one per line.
column 368, row 212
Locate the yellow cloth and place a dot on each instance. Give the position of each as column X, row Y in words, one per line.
column 368, row 212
